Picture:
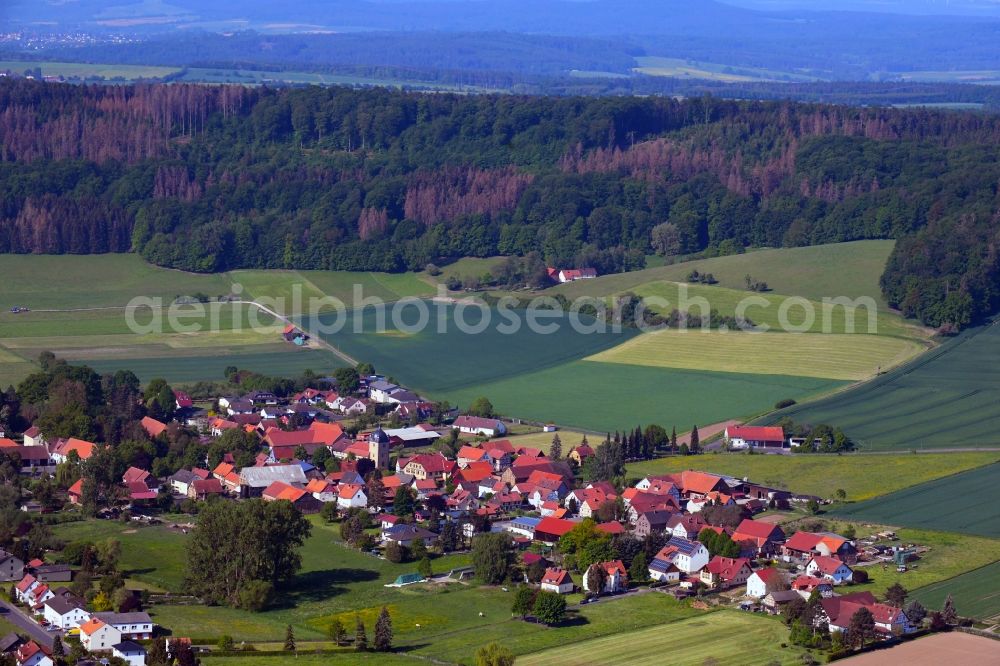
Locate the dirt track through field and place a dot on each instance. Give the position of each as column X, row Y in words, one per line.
column 951, row 648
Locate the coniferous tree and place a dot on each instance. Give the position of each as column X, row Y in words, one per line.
column 337, row 632
column 360, row 635
column 948, row 613
column 673, row 440
column 555, row 451
column 383, row 631
column 695, row 444
column 289, row 639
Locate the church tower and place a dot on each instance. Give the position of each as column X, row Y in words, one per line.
column 378, row 448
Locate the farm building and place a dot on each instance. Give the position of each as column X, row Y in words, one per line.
column 756, row 437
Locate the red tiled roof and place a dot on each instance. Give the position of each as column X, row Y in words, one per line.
column 756, row 530
column 554, row 526
column 611, row 528
column 153, row 427
column 769, row 575
column 827, row 565
column 757, row 433
column 556, row 577
column 207, row 487
column 727, row 568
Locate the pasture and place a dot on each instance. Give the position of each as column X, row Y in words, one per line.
column 179, row 367
column 976, row 593
column 612, row 396
column 946, row 398
column 87, row 70
column 962, row 503
column 775, row 312
column 431, row 620
column 820, row 271
column 842, row 357
column 683, row 68
column 860, row 476
column 724, row 637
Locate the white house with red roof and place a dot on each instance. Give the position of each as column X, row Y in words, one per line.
column 726, row 571
column 32, row 654
column 557, row 580
column 764, row 581
column 830, row 568
column 889, row 620
column 756, row 437
column 615, row 577
column 564, row 275
column 351, row 495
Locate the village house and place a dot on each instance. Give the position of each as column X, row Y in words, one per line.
column 764, row 581
column 302, row 500
column 253, row 480
column 136, row 626
column 756, row 437
column 153, row 427
column 31, row 654
column 476, row 425
column 804, row 586
column 33, row 437
column 838, row 611
column 651, row 522
column 686, row 526
column 11, row 566
column 405, row 534
column 726, row 572
column 801, row 546
column 571, row 274
column 51, row 573
column 98, row 636
column 202, row 489
column 580, row 454
column 433, row 466
column 758, row 539
column 130, row 652
column 66, row 610
column 550, row 530
column 322, row 489
column 351, row 496
column 829, row 568
column 558, row 581
column 688, row 556
column 615, row 577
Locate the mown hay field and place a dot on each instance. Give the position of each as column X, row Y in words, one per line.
column 724, row 637
column 841, row 357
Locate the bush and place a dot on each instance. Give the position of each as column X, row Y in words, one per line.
column 256, row 595
column 781, row 404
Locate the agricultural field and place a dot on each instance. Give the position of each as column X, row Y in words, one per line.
column 862, row 477
column 820, row 271
column 724, row 637
column 840, row 357
column 976, row 593
column 77, row 311
column 949, row 398
column 680, row 67
column 443, row 356
column 613, row 396
column 958, row 503
column 87, row 70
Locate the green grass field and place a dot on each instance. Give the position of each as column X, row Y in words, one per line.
column 947, row 398
column 976, row 593
column 960, row 503
column 181, row 367
column 821, row 271
column 87, row 70
column 725, row 637
column 681, row 68
column 841, row 357
column 338, row 582
column 609, row 396
column 860, row 476
column 775, row 311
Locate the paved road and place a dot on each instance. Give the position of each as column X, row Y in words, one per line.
column 17, row 617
